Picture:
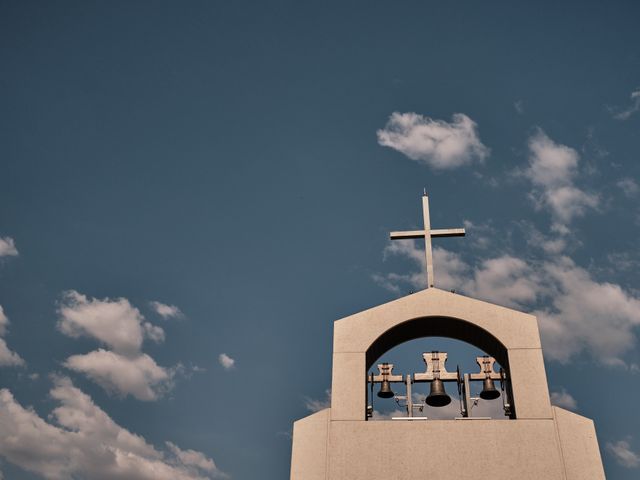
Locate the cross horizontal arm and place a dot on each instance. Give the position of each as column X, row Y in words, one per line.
column 405, row 235
column 448, row 232
column 445, row 232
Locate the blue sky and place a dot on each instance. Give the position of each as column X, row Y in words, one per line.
column 219, row 178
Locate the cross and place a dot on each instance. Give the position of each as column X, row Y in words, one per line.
column 427, row 233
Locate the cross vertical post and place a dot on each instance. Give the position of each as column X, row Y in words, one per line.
column 427, row 240
column 427, row 234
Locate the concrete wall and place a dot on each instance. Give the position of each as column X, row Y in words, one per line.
column 309, row 449
column 562, row 448
column 444, row 449
column 579, row 445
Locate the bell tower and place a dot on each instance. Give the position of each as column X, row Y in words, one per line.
column 537, row 441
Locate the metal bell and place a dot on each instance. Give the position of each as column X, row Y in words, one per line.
column 385, row 390
column 489, row 391
column 437, row 395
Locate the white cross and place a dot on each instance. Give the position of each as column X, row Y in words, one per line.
column 427, row 233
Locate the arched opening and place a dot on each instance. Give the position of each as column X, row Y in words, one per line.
column 403, row 346
column 437, row 327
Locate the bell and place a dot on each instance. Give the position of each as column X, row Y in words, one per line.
column 385, row 390
column 489, row 391
column 437, row 395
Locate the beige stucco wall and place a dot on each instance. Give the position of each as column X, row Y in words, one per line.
column 562, row 448
column 579, row 445
column 444, row 449
column 309, row 449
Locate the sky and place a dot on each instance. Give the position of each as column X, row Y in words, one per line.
column 192, row 192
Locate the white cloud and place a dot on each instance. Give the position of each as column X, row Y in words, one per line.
column 153, row 332
column 563, row 399
column 114, row 322
column 623, row 260
column 633, row 107
column 436, row 143
column 506, row 280
column 553, row 245
column 193, row 461
column 139, row 376
column 628, row 186
column 597, row 317
column 166, row 311
column 124, row 370
column 552, row 171
column 86, row 443
column 623, row 454
column 8, row 247
column 576, row 313
column 4, row 321
column 314, row 405
column 226, row 361
column 519, row 106
column 8, row 358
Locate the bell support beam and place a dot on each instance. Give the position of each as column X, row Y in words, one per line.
column 435, row 362
column 486, row 369
column 385, row 370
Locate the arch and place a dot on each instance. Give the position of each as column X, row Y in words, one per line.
column 511, row 337
column 437, row 326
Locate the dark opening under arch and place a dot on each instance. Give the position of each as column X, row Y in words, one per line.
column 449, row 327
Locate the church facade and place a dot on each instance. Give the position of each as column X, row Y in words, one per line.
column 538, row 441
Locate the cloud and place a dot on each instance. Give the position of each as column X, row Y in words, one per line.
column 226, row 361
column 553, row 245
column 8, row 247
column 597, row 317
column 623, row 261
column 4, row 321
column 139, row 376
column 435, row 143
column 166, row 311
column 115, row 323
column 563, row 399
column 631, row 109
column 194, row 461
column 623, row 454
column 123, row 369
column 505, row 279
column 628, row 186
column 314, row 405
column 519, row 106
column 153, row 332
column 576, row 313
column 84, row 442
column 8, row 358
column 552, row 171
